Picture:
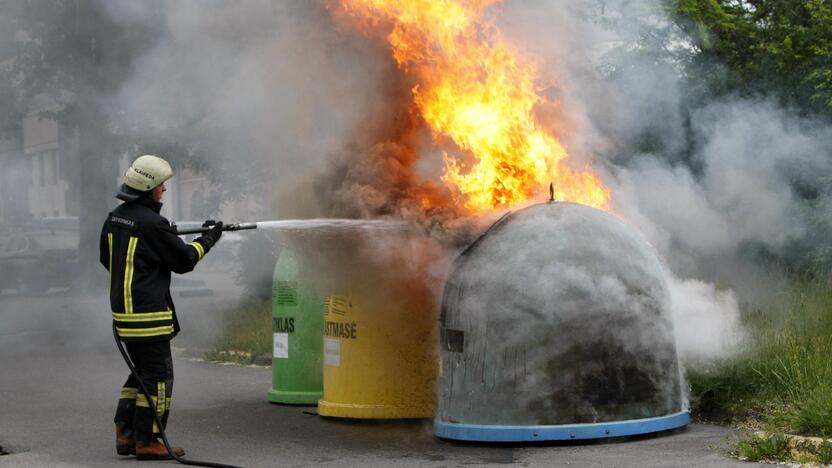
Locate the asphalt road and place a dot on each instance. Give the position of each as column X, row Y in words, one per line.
column 61, row 374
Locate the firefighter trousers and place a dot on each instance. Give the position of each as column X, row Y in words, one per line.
column 155, row 367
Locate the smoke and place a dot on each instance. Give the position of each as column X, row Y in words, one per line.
column 738, row 189
column 749, row 155
column 706, row 319
column 380, row 178
column 260, row 92
column 705, row 182
column 282, row 94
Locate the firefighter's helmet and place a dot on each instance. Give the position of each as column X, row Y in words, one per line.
column 147, row 172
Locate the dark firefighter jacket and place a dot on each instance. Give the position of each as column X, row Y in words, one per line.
column 140, row 249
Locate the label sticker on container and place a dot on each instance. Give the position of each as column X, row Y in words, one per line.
column 281, row 345
column 332, row 352
column 338, row 304
column 286, row 293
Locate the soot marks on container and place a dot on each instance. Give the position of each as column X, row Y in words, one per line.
column 452, row 340
column 560, row 316
column 602, row 384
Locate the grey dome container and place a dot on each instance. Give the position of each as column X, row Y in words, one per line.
column 556, row 324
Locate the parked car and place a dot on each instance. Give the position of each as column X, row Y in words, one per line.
column 39, row 254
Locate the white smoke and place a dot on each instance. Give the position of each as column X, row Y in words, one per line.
column 706, row 319
column 271, row 86
column 616, row 67
column 749, row 153
column 282, row 91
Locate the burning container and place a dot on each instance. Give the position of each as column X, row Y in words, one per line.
column 556, row 325
column 380, row 335
column 297, row 325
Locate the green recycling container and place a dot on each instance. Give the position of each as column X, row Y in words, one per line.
column 297, row 327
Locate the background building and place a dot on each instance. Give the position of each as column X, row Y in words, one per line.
column 41, row 176
column 15, row 174
column 54, row 167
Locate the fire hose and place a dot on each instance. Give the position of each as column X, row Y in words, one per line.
column 143, row 388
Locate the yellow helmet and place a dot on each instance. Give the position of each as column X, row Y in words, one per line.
column 147, row 172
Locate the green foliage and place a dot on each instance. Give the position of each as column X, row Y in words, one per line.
column 247, row 334
column 771, row 448
column 780, row 447
column 813, row 412
column 824, row 452
column 818, row 259
column 778, row 47
column 784, row 374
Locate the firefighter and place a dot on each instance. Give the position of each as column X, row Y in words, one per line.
column 140, row 249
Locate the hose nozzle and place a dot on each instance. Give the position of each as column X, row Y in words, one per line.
column 225, row 227
column 239, row 226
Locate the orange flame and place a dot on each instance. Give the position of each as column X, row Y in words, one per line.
column 472, row 89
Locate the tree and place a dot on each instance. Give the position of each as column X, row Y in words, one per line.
column 770, row 47
column 11, row 117
column 73, row 52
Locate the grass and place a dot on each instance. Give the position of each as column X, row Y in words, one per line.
column 774, row 447
column 824, row 452
column 780, row 447
column 247, row 334
column 782, row 380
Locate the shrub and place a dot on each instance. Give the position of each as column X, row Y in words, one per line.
column 785, row 364
column 247, row 334
column 774, row 447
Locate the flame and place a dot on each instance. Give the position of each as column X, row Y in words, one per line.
column 473, row 89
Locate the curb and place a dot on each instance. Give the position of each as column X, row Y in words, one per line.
column 230, row 357
column 802, row 448
column 262, row 360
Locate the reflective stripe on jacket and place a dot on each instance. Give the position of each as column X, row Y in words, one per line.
column 140, row 249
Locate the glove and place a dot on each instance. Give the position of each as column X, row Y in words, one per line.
column 209, row 223
column 213, row 235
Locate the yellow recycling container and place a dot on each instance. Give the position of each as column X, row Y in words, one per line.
column 379, row 362
column 380, row 342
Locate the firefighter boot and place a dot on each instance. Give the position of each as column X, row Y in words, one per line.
column 125, row 445
column 154, row 450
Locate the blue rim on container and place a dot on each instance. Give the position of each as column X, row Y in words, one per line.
column 491, row 433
